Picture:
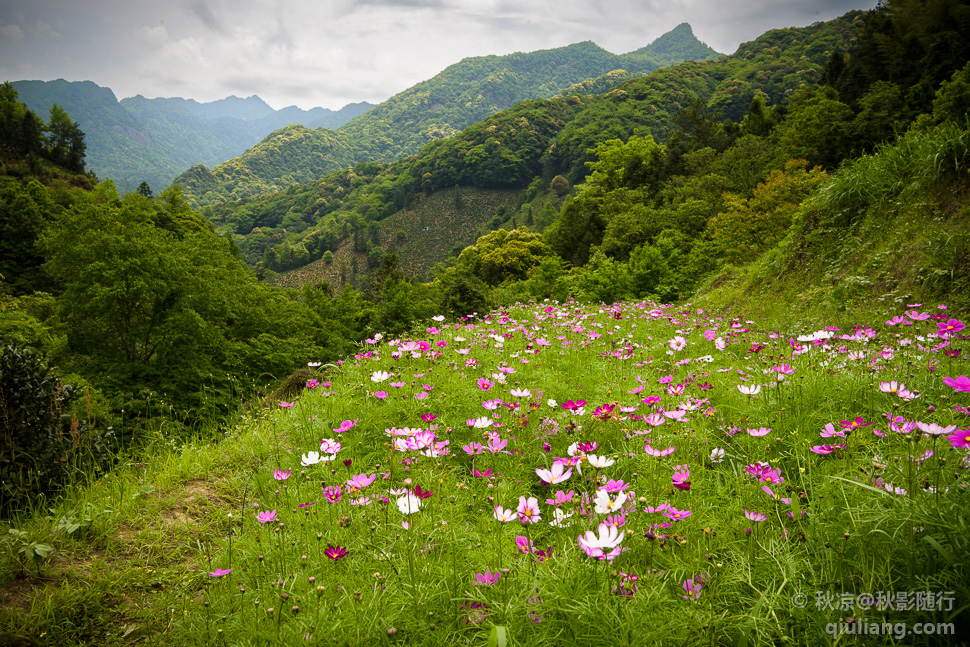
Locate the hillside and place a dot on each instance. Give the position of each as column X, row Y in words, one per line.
column 152, row 140
column 459, row 96
column 525, row 145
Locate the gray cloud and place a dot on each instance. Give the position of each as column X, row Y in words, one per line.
column 332, row 52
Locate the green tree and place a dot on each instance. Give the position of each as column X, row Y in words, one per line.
column 66, row 145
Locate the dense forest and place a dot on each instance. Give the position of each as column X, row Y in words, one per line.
column 660, row 186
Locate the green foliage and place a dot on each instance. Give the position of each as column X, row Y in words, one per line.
column 747, row 227
column 45, row 444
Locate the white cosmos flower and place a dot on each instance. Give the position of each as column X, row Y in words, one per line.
column 408, row 504
column 606, row 505
column 599, row 461
column 310, row 458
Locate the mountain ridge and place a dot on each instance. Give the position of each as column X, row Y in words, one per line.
column 460, row 95
column 138, row 139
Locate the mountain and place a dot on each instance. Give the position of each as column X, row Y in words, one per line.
column 462, row 94
column 525, row 145
column 151, row 140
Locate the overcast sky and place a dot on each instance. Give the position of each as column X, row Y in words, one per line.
column 329, row 53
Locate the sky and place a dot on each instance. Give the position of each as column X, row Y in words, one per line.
column 328, row 53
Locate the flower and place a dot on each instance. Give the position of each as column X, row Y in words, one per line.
column 675, row 514
column 380, row 395
column 286, row 405
column 760, row 431
column 933, row 429
column 521, row 393
column 751, row 390
column 692, row 590
column 335, row 552
column 331, row 494
column 503, row 514
column 281, row 475
column 679, row 479
column 599, row 461
column 677, row 343
column 557, row 474
column 606, row 536
column 485, row 384
column 949, row 328
column 219, row 572
column 960, row 439
column 408, row 504
column 361, row 481
column 717, row 455
column 379, row 376
column 265, row 516
column 605, row 505
column 755, row 516
column 483, row 423
column 528, row 510
column 346, row 425
column 961, row 383
column 310, row 458
column 650, row 451
column 488, row 578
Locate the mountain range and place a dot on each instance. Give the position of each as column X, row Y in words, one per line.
column 152, row 140
column 461, row 95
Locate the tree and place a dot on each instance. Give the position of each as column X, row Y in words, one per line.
column 144, row 189
column 66, row 146
column 559, row 185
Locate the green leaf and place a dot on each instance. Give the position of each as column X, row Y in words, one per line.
column 498, row 637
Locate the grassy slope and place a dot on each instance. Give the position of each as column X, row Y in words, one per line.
column 139, row 575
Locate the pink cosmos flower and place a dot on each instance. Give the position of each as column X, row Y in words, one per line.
column 331, row 493
column 485, row 384
column 346, row 425
column 219, row 572
column 949, row 328
column 361, row 481
column 933, row 429
column 692, row 590
column 335, row 552
column 659, row 453
column 760, row 431
column 755, row 516
column 961, row 383
column 680, row 478
column 281, row 475
column 675, row 514
column 286, row 405
column 960, row 439
column 528, row 510
column 380, row 395
column 561, row 498
column 488, row 578
column 265, row 516
column 557, row 474
column 473, row 448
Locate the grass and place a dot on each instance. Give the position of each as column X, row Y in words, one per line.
column 884, row 515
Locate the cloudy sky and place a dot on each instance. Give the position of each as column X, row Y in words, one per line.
column 329, row 53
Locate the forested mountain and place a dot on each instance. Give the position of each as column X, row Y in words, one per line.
column 524, row 146
column 462, row 94
column 151, row 140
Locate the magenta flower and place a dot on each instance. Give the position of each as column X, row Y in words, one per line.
column 675, row 514
column 692, row 590
column 569, row 405
column 961, row 383
column 473, row 448
column 219, row 572
column 482, row 475
column 679, row 479
column 380, row 395
column 335, row 552
column 561, row 498
column 346, row 425
column 265, row 516
column 312, row 384
column 332, row 493
column 485, row 384
column 949, row 328
column 286, row 405
column 760, row 431
column 281, row 475
column 422, row 494
column 960, row 439
column 528, row 510
column 488, row 578
column 604, row 411
column 858, row 423
column 429, row 417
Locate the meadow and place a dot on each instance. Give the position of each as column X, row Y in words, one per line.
column 547, row 474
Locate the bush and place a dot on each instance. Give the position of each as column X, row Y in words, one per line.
column 43, row 443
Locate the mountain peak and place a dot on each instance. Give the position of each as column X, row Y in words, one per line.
column 681, row 43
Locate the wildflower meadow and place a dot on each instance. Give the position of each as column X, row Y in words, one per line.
column 565, row 474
